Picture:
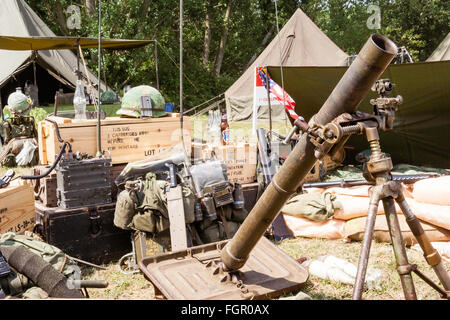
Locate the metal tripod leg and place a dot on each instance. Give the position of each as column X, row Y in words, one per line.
column 365, row 249
column 431, row 255
column 403, row 267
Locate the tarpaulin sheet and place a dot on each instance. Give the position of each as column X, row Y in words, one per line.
column 59, row 43
column 422, row 127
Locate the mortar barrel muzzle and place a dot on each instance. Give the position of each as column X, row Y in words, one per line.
column 372, row 60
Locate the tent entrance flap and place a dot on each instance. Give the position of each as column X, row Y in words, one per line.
column 22, row 29
column 46, row 92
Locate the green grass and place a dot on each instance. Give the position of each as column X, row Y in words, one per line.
column 110, row 109
column 137, row 287
column 381, row 258
column 121, row 286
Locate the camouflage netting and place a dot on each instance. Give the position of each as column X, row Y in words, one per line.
column 131, row 104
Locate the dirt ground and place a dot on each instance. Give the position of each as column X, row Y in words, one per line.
column 136, row 287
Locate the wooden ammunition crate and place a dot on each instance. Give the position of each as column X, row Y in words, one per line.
column 45, row 188
column 17, row 207
column 127, row 139
column 240, row 159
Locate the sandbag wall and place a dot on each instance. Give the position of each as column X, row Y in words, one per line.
column 429, row 199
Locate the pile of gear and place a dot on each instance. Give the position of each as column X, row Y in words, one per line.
column 19, row 133
column 213, row 207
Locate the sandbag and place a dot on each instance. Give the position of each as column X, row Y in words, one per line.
column 433, row 191
column 355, row 207
column 312, row 206
column 356, row 191
column 354, row 230
column 443, row 248
column 431, row 213
column 303, row 227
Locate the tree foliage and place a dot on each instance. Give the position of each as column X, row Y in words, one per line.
column 419, row 25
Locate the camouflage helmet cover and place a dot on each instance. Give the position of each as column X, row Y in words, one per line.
column 131, row 105
column 18, row 103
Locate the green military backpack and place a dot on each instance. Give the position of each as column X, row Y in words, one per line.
column 142, row 205
column 19, row 286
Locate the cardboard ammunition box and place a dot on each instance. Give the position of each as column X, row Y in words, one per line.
column 127, row 139
column 240, row 159
column 17, row 207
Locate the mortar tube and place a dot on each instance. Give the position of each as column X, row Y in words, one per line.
column 371, row 62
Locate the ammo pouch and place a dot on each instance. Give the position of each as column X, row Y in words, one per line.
column 142, row 205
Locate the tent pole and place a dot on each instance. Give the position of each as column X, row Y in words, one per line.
column 186, row 158
column 1, row 106
column 156, row 64
column 104, row 73
column 78, row 60
column 34, row 68
column 270, row 107
column 181, row 61
column 99, row 142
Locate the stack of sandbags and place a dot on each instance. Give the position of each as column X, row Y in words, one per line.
column 311, row 216
column 429, row 199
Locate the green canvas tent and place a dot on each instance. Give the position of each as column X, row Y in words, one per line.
column 55, row 68
column 442, row 52
column 299, row 43
column 422, row 127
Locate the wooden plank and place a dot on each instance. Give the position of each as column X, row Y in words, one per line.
column 73, row 123
column 127, row 140
column 175, row 208
column 17, row 207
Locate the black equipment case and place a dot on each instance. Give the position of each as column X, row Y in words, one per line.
column 86, row 233
column 83, row 183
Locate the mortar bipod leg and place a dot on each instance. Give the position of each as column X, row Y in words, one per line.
column 431, row 255
column 365, row 248
column 404, row 269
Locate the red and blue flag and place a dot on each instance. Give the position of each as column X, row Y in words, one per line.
column 278, row 92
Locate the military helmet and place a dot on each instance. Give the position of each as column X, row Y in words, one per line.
column 108, row 97
column 131, row 102
column 18, row 103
